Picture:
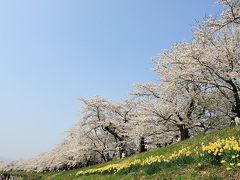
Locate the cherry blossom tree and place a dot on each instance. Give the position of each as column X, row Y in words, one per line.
column 172, row 106
column 104, row 118
column 210, row 61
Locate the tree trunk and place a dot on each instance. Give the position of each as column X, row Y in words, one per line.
column 104, row 158
column 142, row 145
column 236, row 108
column 184, row 132
column 112, row 132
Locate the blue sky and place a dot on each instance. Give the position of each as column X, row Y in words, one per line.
column 53, row 52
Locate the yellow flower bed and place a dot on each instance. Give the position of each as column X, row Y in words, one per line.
column 221, row 150
column 226, row 151
column 127, row 164
column 110, row 168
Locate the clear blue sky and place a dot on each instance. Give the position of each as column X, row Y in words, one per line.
column 54, row 51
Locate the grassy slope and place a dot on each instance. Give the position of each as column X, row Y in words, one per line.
column 188, row 170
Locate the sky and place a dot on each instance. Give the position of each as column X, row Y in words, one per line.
column 52, row 52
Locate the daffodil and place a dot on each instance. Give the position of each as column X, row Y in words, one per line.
column 228, row 168
column 223, row 161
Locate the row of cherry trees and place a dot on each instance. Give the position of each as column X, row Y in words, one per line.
column 198, row 91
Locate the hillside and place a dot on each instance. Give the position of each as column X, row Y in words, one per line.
column 182, row 161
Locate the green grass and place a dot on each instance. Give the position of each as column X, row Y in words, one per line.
column 182, row 169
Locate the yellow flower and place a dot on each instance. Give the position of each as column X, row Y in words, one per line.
column 228, row 168
column 238, row 164
column 223, row 161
